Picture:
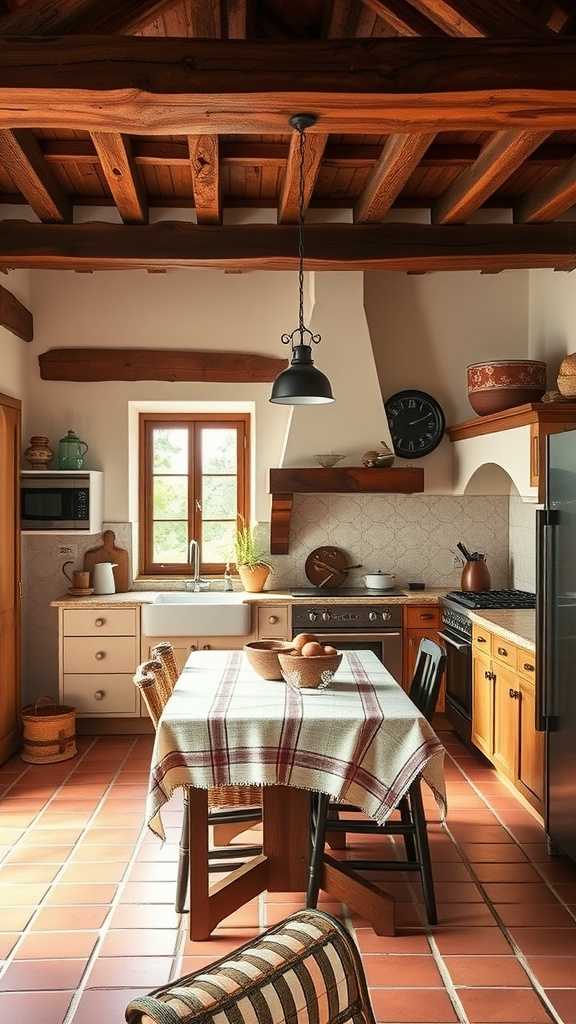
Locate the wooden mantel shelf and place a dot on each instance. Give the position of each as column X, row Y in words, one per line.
column 517, row 416
column 285, row 483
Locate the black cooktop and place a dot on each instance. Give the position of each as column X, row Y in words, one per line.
column 493, row 598
column 345, row 592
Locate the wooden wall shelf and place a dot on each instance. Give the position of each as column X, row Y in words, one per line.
column 285, row 483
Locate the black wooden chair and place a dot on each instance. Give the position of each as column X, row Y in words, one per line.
column 424, row 690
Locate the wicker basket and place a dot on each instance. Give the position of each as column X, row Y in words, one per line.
column 567, row 376
column 234, row 796
column 49, row 732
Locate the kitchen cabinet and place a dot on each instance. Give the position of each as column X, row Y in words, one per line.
column 273, row 622
column 99, row 649
column 184, row 646
column 503, row 712
column 420, row 622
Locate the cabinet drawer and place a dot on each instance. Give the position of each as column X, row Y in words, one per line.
column 426, row 617
column 481, row 640
column 273, row 621
column 104, row 654
column 100, row 622
column 526, row 664
column 503, row 651
column 101, row 694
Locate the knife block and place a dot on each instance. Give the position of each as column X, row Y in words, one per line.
column 475, row 576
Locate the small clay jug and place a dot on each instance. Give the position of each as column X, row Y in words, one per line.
column 475, row 575
column 39, row 453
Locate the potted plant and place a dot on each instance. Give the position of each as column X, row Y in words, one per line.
column 252, row 568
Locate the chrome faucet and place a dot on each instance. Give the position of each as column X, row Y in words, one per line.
column 196, row 583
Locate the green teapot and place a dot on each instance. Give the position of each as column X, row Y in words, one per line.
column 71, row 451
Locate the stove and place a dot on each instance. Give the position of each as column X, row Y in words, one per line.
column 364, row 626
column 477, row 599
column 346, row 592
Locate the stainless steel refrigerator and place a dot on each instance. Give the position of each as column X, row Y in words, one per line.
column 556, row 640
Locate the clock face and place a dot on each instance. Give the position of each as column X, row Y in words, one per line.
column 416, row 423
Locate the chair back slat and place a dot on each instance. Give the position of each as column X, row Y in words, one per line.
column 164, row 653
column 425, row 685
column 152, row 684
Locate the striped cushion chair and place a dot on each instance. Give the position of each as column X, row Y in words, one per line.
column 305, row 969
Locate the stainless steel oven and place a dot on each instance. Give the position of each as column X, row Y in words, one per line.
column 456, row 636
column 368, row 627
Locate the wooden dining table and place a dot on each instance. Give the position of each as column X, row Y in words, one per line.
column 361, row 740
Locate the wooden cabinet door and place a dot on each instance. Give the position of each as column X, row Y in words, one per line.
column 9, row 576
column 506, row 711
column 530, row 745
column 482, row 705
column 413, row 638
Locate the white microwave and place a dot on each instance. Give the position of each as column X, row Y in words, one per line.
column 61, row 501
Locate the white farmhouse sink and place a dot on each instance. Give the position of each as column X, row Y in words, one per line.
column 182, row 613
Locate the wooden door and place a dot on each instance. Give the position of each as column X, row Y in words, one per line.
column 483, row 705
column 506, row 710
column 530, row 746
column 9, row 576
column 414, row 636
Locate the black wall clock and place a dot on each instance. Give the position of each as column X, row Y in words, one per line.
column 416, row 423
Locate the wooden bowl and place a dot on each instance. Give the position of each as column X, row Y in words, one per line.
column 504, row 383
column 263, row 657
column 309, row 673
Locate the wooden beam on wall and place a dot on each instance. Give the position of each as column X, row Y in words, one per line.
column 205, row 165
column 104, row 364
column 503, row 154
column 115, row 156
column 14, row 316
column 274, row 247
column 50, row 17
column 400, row 157
column 22, row 158
column 314, row 146
column 482, row 17
column 160, row 86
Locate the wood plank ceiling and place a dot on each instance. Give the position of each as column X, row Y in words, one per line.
column 452, row 172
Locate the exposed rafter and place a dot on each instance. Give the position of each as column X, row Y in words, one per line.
column 48, row 17
column 115, row 156
column 400, row 156
column 22, row 157
column 341, row 19
column 482, row 17
column 551, row 199
column 205, row 19
column 205, row 166
column 504, row 152
column 313, row 153
column 236, row 19
column 403, row 17
column 14, row 316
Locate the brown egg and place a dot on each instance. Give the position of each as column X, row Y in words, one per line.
column 330, row 650
column 304, row 638
column 312, row 650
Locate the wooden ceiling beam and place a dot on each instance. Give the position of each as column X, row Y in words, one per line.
column 503, row 154
column 115, row 157
column 22, row 157
column 163, row 86
column 341, row 19
column 205, row 166
column 274, row 247
column 236, row 19
column 51, row 17
column 205, row 18
column 403, row 17
column 400, row 157
column 551, row 199
column 314, row 147
column 14, row 316
column 482, row 17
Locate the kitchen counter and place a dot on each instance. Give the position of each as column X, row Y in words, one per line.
column 517, row 625
column 136, row 598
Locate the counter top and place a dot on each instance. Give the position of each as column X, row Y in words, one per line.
column 517, row 625
column 136, row 598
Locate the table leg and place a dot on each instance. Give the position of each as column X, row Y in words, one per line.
column 286, row 816
column 199, row 880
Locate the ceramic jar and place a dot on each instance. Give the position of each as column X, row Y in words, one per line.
column 39, row 453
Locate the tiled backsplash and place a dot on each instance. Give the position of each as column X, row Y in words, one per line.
column 522, row 532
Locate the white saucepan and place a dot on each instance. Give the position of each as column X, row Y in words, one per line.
column 379, row 580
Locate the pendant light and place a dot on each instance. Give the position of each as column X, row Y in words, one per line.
column 301, row 383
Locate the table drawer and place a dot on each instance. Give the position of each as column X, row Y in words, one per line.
column 526, row 664
column 423, row 618
column 99, row 622
column 273, row 621
column 504, row 651
column 104, row 654
column 101, row 694
column 481, row 640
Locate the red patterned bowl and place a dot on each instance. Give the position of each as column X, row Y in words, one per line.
column 503, row 383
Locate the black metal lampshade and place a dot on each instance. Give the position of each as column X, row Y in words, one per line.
column 301, row 383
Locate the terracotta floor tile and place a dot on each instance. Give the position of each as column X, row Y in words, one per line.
column 422, row 1006
column 149, row 872
column 72, row 895
column 565, row 1004
column 56, row 945
column 21, row 895
column 222, row 941
column 471, row 941
column 7, row 942
column 490, row 971
column 34, row 1007
column 534, row 915
column 451, row 871
column 15, row 919
column 133, row 915
column 46, row 975
column 17, row 873
column 457, row 892
column 554, row 971
column 402, row 942
column 506, row 873
column 503, row 1006
column 146, row 972
column 139, row 942
column 467, row 915
column 561, row 871
column 120, row 854
column 546, row 941
column 69, row 918
column 495, row 853
column 511, row 892
column 110, row 836
column 480, row 833
column 148, row 892
column 103, row 1006
column 92, row 872
column 38, row 855
column 51, row 837
column 402, row 972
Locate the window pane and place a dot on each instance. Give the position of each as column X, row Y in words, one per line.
column 219, row 497
column 218, row 542
column 170, row 497
column 218, row 450
column 170, row 542
column 170, row 450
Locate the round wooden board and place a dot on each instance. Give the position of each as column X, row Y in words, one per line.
column 326, row 566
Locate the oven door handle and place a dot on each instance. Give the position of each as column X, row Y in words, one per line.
column 334, row 635
column 453, row 643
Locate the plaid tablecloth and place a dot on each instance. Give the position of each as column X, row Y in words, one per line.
column 361, row 741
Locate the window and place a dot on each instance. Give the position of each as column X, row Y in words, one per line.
column 193, row 484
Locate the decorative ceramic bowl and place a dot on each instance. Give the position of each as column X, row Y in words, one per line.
column 504, row 383
column 309, row 673
column 328, row 460
column 263, row 657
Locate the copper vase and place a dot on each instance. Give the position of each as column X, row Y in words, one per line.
column 475, row 575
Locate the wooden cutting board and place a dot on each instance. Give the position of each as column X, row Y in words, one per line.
column 108, row 552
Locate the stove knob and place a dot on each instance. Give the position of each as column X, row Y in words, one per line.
column 312, row 616
column 372, row 617
column 326, row 616
column 386, row 616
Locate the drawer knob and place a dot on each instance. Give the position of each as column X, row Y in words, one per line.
column 193, row 647
column 528, row 667
column 99, row 695
column 272, row 619
column 99, row 622
column 511, row 693
column 503, row 652
column 426, row 616
column 481, row 639
column 99, row 655
column 206, row 647
column 487, row 675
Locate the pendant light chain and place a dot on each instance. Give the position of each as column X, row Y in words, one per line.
column 301, row 237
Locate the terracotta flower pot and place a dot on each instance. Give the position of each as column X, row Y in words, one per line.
column 504, row 383
column 253, row 580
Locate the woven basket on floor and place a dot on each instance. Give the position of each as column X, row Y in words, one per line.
column 235, row 796
column 49, row 732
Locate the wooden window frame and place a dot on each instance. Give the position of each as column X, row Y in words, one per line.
column 147, row 423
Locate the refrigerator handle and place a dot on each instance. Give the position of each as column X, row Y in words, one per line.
column 545, row 545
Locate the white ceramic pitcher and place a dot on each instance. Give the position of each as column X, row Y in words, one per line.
column 103, row 578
